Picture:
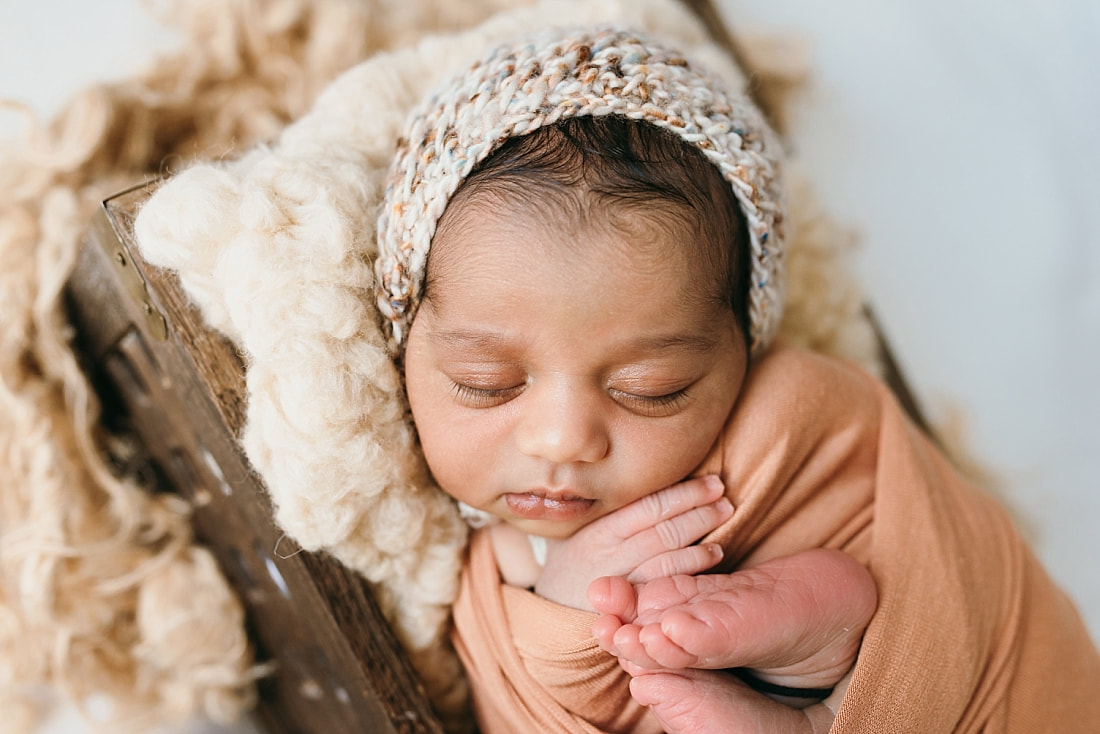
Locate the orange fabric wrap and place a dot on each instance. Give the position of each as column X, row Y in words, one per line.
column 970, row 634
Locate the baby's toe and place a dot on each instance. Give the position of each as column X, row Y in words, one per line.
column 613, row 595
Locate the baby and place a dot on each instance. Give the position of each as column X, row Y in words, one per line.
column 580, row 344
column 587, row 360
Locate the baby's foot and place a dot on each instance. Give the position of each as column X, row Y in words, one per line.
column 708, row 702
column 795, row 621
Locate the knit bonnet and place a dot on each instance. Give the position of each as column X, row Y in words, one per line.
column 552, row 76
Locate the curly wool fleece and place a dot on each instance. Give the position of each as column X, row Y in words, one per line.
column 285, row 236
column 557, row 75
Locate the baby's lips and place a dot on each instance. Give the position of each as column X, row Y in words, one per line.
column 539, row 506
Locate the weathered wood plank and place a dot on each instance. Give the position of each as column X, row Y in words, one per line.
column 339, row 666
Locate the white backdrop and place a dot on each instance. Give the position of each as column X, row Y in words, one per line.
column 958, row 136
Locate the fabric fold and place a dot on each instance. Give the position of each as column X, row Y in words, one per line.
column 537, row 666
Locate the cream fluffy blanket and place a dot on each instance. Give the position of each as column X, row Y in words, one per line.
column 280, row 234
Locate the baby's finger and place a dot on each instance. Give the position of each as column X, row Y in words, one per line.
column 677, row 532
column 651, row 509
column 682, row 561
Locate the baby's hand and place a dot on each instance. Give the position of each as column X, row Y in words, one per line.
column 648, row 539
column 795, row 622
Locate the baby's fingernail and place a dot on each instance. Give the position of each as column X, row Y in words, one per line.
column 713, row 482
column 715, row 551
column 724, row 506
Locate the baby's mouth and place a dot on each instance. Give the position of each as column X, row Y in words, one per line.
column 547, row 505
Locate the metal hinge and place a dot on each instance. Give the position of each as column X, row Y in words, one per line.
column 131, row 279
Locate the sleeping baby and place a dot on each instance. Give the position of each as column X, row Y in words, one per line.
column 688, row 526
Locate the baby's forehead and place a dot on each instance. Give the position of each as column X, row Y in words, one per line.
column 504, row 288
column 579, row 228
column 650, row 252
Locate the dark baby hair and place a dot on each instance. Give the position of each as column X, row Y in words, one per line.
column 582, row 165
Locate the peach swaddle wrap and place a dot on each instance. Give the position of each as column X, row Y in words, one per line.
column 970, row 634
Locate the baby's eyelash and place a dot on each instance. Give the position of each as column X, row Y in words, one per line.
column 654, row 405
column 481, row 397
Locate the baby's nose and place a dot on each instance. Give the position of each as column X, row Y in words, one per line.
column 562, row 424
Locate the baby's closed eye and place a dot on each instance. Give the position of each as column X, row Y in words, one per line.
column 649, row 404
column 484, row 397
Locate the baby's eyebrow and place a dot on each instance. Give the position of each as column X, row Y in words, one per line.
column 474, row 340
column 688, row 342
column 464, row 339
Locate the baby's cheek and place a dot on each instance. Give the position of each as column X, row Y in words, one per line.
column 463, row 461
column 659, row 459
column 448, row 464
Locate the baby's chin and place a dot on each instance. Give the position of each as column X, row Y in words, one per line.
column 552, row 530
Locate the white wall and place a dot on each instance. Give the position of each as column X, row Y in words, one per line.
column 960, row 138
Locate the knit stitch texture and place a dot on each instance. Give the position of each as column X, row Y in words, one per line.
column 560, row 74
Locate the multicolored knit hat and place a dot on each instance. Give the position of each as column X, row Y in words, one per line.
column 553, row 76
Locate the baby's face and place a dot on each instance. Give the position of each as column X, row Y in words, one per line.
column 558, row 375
